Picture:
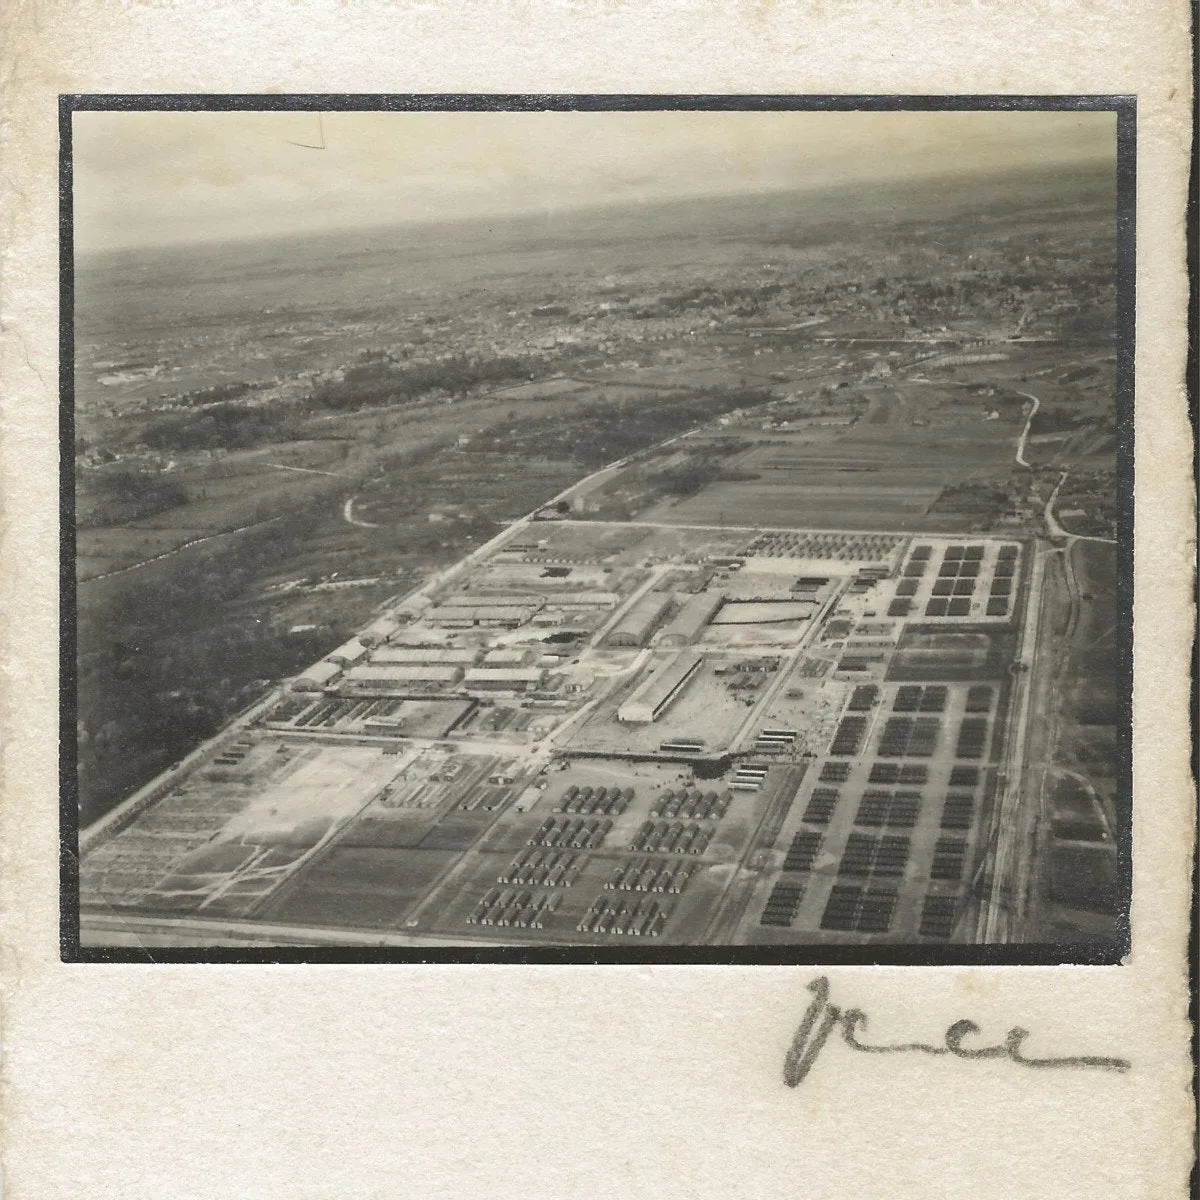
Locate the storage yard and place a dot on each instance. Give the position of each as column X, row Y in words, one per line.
column 597, row 733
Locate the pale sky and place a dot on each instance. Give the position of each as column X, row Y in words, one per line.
column 145, row 178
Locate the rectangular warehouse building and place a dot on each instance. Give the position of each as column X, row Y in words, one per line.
column 353, row 651
column 587, row 599
column 401, row 675
column 379, row 631
column 653, row 697
column 445, row 656
column 452, row 616
column 637, row 624
column 504, row 680
column 692, row 619
column 516, row 657
column 318, row 676
column 493, row 600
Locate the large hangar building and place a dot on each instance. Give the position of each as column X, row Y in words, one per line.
column 638, row 623
column 692, row 618
column 656, row 694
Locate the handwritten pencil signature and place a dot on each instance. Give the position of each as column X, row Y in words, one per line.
column 822, row 1018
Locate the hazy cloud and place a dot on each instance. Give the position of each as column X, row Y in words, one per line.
column 145, row 178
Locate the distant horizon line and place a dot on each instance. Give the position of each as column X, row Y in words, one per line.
column 593, row 206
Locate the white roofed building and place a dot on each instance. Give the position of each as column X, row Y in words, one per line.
column 493, row 600
column 515, row 657
column 587, row 599
column 451, row 616
column 511, row 680
column 442, row 655
column 379, row 631
column 691, row 620
column 351, row 652
column 387, row 675
column 655, row 695
column 636, row 625
column 316, row 677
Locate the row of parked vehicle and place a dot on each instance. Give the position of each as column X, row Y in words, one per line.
column 639, row 918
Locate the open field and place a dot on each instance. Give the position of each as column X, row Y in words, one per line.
column 1079, row 886
column 886, row 470
column 801, row 506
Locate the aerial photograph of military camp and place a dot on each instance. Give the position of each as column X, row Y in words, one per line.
column 597, row 529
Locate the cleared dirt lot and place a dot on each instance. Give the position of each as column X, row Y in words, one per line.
column 710, row 708
column 360, row 887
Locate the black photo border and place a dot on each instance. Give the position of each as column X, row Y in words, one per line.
column 1090, row 953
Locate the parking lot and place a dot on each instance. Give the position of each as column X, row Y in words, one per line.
column 882, row 835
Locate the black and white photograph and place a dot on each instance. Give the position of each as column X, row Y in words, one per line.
column 517, row 527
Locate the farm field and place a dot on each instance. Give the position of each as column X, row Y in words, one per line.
column 1080, row 885
column 801, row 506
column 885, row 471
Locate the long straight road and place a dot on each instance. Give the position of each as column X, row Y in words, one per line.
column 1000, row 914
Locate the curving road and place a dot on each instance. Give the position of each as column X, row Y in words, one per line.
column 1021, row 460
column 348, row 514
column 1057, row 531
